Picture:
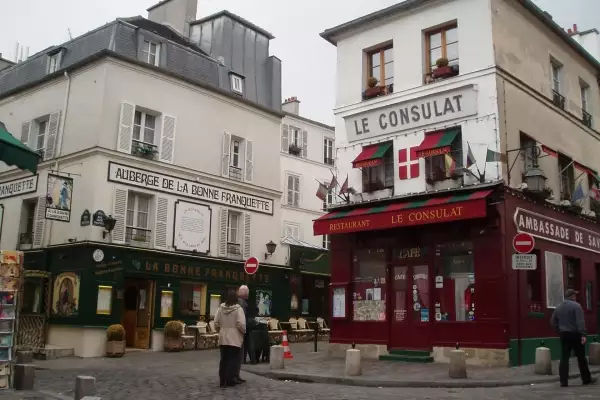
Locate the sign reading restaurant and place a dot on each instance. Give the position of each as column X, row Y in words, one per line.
column 142, row 178
column 17, row 187
column 557, row 231
column 419, row 112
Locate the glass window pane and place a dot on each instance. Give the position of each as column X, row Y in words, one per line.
column 136, row 132
column 376, row 72
column 456, row 296
column 389, row 70
column 435, row 40
column 420, row 294
column 388, row 55
column 150, row 121
column 434, row 55
column 149, row 135
column 375, row 59
column 137, row 118
column 452, row 51
column 452, row 35
column 369, row 285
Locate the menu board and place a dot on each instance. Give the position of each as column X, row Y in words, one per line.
column 339, row 303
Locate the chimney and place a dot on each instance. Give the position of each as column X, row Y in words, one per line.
column 291, row 105
column 176, row 14
column 575, row 28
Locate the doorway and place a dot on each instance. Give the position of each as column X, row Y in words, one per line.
column 410, row 308
column 138, row 313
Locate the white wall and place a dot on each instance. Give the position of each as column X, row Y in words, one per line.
column 590, row 42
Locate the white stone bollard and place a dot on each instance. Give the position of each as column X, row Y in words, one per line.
column 594, row 353
column 276, row 357
column 84, row 386
column 543, row 361
column 458, row 364
column 353, row 367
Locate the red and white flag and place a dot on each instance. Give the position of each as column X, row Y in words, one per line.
column 322, row 192
column 408, row 163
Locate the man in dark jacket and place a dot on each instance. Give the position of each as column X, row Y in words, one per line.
column 243, row 293
column 569, row 322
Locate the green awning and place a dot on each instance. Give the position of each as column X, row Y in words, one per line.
column 371, row 156
column 13, row 152
column 436, row 143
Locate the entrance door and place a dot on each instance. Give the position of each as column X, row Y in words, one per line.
column 410, row 308
column 139, row 310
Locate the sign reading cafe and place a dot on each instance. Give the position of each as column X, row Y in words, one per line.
column 419, row 112
column 142, row 178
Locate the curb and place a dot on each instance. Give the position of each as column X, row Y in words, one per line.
column 366, row 382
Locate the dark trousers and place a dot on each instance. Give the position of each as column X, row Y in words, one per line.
column 571, row 341
column 242, row 356
column 230, row 356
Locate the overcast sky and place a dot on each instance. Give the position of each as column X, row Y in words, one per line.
column 308, row 60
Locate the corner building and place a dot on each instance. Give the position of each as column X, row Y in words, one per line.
column 447, row 161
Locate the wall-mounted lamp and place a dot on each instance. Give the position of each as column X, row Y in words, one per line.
column 271, row 246
column 109, row 225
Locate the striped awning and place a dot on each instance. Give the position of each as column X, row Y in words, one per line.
column 436, row 143
column 371, row 156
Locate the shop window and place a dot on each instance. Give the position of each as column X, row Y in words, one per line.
column 381, row 176
column 573, row 270
column 588, row 296
column 192, row 299
column 529, row 152
column 567, row 177
column 455, row 282
column 369, row 288
column 534, row 286
column 33, row 298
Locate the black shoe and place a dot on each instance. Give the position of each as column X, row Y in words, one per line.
column 230, row 383
column 590, row 382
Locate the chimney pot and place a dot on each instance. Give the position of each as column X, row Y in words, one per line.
column 569, row 31
column 575, row 28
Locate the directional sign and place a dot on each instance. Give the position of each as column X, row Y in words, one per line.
column 524, row 261
column 523, row 243
column 251, row 265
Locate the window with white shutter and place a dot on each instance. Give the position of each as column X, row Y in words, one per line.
column 151, row 52
column 126, row 128
column 137, row 229
column 292, row 231
column 328, row 151
column 226, row 153
column 160, row 226
column 234, row 235
column 247, row 235
column 223, row 232
column 119, row 214
column 40, row 220
column 304, row 143
column 293, row 190
column 285, row 143
column 167, row 140
column 26, row 132
column 52, row 135
column 249, row 160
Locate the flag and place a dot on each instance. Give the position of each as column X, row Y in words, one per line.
column 333, row 183
column 322, row 192
column 344, row 188
column 470, row 157
column 595, row 192
column 494, row 156
column 408, row 162
column 450, row 164
column 578, row 193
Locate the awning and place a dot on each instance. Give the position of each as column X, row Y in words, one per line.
column 13, row 152
column 371, row 156
column 398, row 215
column 437, row 143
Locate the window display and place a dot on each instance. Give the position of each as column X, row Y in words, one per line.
column 369, row 289
column 339, row 302
column 192, row 299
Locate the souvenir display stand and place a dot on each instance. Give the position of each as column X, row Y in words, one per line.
column 11, row 268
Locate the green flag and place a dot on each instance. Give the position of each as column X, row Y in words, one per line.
column 494, row 156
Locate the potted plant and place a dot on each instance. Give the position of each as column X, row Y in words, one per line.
column 144, row 151
column 372, row 89
column 443, row 70
column 115, row 341
column 173, row 336
column 295, row 149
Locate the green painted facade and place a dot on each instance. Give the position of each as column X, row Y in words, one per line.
column 529, row 345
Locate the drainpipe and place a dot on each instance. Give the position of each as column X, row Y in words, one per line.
column 59, row 139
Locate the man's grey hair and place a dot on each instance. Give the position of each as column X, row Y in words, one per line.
column 243, row 291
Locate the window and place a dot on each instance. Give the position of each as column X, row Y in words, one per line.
column 292, row 231
column 42, row 133
column 442, row 43
column 455, row 269
column 529, row 152
column 54, row 62
column 380, row 65
column 293, row 190
column 369, row 283
column 144, row 130
column 584, row 97
column 328, row 151
column 567, row 177
column 555, row 70
column 28, row 220
column 444, row 166
column 573, row 270
column 328, row 197
column 326, row 242
column 586, row 117
column 233, row 227
column 534, row 286
column 192, row 299
column 380, row 176
column 150, row 52
column 136, row 221
column 237, row 84
column 235, row 153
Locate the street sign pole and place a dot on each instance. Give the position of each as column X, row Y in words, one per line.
column 523, row 243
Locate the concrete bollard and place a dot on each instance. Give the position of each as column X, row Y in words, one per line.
column 594, row 353
column 84, row 386
column 276, row 357
column 353, row 367
column 543, row 361
column 24, row 376
column 458, row 364
column 24, row 357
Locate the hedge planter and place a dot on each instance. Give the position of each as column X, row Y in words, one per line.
column 115, row 348
column 174, row 331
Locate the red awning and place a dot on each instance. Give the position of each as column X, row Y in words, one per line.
column 398, row 215
column 436, row 143
column 371, row 156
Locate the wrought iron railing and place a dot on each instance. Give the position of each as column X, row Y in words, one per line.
column 558, row 99
column 138, row 236
column 144, row 150
column 234, row 250
column 235, row 173
column 25, row 240
column 328, row 161
column 586, row 118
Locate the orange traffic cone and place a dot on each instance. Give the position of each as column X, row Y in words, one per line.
column 286, row 347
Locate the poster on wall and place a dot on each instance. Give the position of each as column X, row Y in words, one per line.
column 104, row 301
column 554, row 279
column 339, row 302
column 166, row 304
column 58, row 198
column 264, row 300
column 192, row 227
column 65, row 295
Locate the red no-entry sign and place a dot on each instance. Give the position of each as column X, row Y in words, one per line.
column 251, row 265
column 523, row 243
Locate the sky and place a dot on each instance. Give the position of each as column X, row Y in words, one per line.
column 309, row 62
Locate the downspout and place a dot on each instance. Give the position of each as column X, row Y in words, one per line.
column 59, row 139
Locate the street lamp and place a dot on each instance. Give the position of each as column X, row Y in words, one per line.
column 535, row 180
column 109, row 225
column 271, row 246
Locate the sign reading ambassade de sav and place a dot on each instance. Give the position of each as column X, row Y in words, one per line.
column 17, row 187
column 151, row 180
column 415, row 113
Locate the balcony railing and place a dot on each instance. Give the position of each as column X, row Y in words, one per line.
column 377, row 91
column 138, row 236
column 235, row 173
column 234, row 250
column 328, row 161
column 144, row 150
column 558, row 99
column 41, row 153
column 25, row 241
column 295, row 150
column 586, row 118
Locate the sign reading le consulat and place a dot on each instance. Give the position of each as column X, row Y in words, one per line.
column 17, row 187
column 183, row 187
column 420, row 112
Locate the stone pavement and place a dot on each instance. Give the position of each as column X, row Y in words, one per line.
column 318, row 368
column 192, row 375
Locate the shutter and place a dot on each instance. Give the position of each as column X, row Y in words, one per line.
column 247, row 235
column 162, row 212
column 226, row 151
column 288, row 231
column 249, row 160
column 40, row 221
column 26, row 132
column 126, row 127
column 289, row 185
column 167, row 139
column 304, row 143
column 285, row 143
column 296, row 191
column 119, row 213
column 223, row 232
column 52, row 135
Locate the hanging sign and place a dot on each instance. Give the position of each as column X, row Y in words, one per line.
column 59, row 196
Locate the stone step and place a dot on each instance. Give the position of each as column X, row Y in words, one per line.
column 412, row 353
column 406, row 358
column 51, row 352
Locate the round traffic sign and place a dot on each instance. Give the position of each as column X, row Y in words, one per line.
column 523, row 243
column 251, row 265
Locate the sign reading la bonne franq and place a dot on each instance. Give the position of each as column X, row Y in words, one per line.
column 142, row 178
column 419, row 112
